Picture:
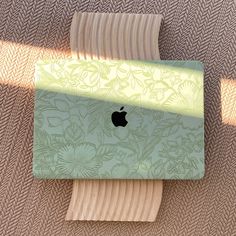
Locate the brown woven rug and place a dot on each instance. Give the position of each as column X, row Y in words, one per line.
column 204, row 30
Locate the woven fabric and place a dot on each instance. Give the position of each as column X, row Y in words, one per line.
column 39, row 29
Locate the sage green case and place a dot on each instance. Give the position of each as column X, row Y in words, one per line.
column 76, row 138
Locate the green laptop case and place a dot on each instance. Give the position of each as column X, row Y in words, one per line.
column 117, row 119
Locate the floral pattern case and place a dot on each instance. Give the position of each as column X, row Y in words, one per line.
column 75, row 135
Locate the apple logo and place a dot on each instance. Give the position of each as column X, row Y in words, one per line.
column 118, row 118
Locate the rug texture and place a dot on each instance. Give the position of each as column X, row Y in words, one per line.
column 39, row 29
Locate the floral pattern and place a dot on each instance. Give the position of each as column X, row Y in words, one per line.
column 74, row 136
column 78, row 159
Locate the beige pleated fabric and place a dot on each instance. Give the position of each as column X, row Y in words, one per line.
column 115, row 36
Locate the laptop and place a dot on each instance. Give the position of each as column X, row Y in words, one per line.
column 117, row 119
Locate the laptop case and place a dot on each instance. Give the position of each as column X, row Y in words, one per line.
column 119, row 120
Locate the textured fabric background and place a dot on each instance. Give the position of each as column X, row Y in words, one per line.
column 202, row 30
